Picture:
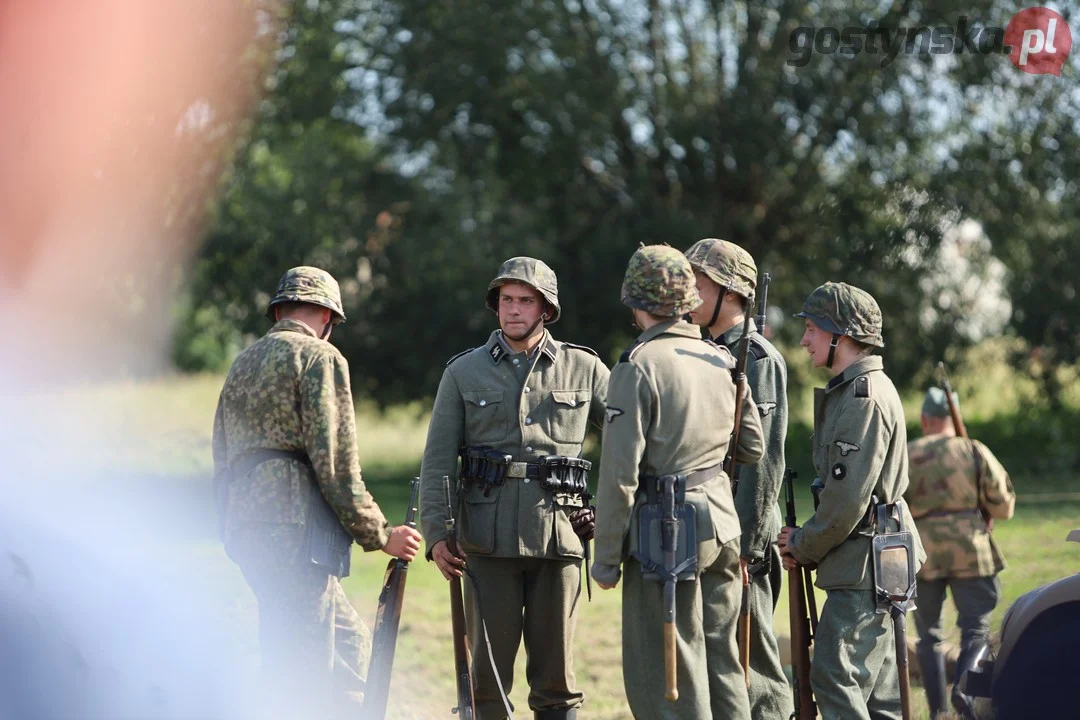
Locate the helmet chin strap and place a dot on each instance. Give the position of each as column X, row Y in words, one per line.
column 529, row 331
column 832, row 349
column 716, row 309
column 326, row 329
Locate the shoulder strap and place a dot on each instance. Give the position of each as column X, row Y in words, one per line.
column 862, row 386
column 581, row 347
column 630, row 352
column 463, row 352
column 757, row 349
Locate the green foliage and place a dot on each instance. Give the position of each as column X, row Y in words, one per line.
column 410, row 147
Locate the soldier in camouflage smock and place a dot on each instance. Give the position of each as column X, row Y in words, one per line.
column 726, row 278
column 860, row 451
column 671, row 410
column 285, row 443
column 522, row 396
column 956, row 485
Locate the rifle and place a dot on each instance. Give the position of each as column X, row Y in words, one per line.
column 961, row 430
column 802, row 609
column 744, row 349
column 466, row 703
column 387, row 621
column 669, row 536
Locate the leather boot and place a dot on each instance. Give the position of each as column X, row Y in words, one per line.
column 563, row 714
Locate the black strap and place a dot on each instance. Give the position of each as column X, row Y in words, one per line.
column 653, row 484
column 978, row 476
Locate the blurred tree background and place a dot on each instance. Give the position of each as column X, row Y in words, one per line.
column 410, row 147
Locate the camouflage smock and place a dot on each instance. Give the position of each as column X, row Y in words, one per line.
column 942, row 498
column 860, row 449
column 527, row 408
column 290, row 391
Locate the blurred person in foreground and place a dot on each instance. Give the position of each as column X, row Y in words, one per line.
column 291, row 499
column 860, row 455
column 956, row 486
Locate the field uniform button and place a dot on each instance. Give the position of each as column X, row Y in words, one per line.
column 483, row 403
column 528, row 421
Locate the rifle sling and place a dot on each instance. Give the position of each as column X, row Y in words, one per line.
column 487, row 643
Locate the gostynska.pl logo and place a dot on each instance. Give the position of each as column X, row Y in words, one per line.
column 1036, row 40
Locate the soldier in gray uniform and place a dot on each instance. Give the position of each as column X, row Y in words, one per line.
column 516, row 410
column 671, row 410
column 860, row 452
column 291, row 498
column 726, row 278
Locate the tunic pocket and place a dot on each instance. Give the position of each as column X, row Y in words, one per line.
column 486, row 420
column 568, row 416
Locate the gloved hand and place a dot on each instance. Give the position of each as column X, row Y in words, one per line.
column 583, row 521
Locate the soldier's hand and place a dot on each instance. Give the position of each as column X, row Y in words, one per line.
column 789, row 562
column 583, row 521
column 784, row 539
column 403, row 543
column 450, row 565
column 743, row 563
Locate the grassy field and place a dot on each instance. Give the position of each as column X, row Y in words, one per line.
column 161, row 430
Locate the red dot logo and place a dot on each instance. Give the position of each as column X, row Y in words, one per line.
column 1040, row 41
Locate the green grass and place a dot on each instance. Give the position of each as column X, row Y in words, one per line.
column 161, row 430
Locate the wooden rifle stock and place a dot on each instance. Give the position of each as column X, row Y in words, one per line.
column 954, row 411
column 466, row 703
column 387, row 622
column 733, row 468
column 669, row 530
column 802, row 619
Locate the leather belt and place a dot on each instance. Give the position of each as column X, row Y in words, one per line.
column 654, row 484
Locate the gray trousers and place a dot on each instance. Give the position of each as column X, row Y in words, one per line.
column 533, row 598
column 710, row 680
column 975, row 599
column 854, row 673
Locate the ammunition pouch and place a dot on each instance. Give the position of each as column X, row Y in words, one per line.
column 483, row 466
column 326, row 542
column 565, row 475
column 893, row 561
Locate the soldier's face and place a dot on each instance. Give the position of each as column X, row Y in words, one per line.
column 709, row 292
column 816, row 341
column 519, row 308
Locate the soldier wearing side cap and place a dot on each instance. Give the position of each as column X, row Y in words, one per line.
column 512, row 410
column 860, row 454
column 291, row 499
column 956, row 484
column 671, row 407
column 726, row 278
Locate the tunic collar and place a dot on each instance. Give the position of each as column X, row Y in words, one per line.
column 854, row 370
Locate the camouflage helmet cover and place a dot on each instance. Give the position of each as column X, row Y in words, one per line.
column 726, row 264
column 843, row 309
column 528, row 271
column 308, row 285
column 660, row 281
